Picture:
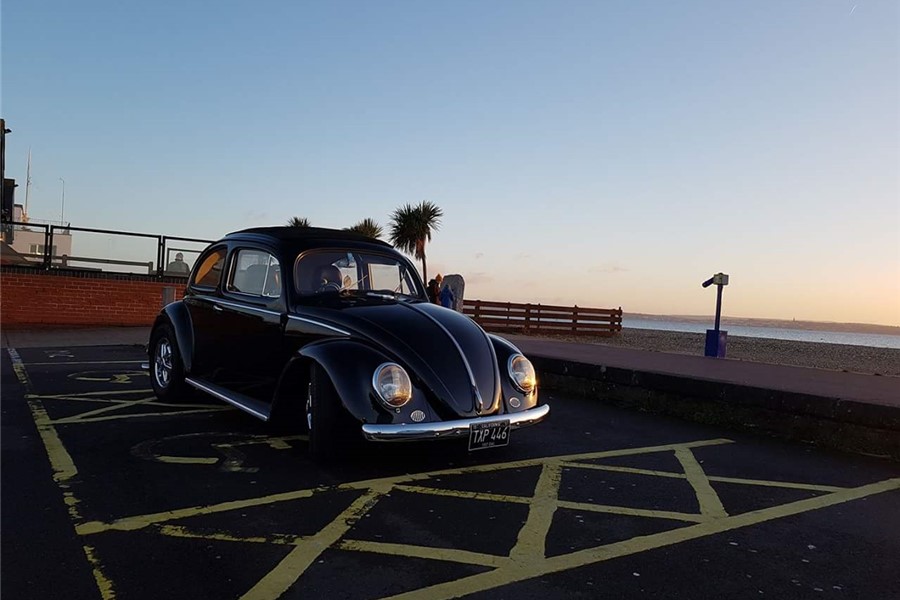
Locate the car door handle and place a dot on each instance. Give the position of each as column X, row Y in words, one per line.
column 217, row 308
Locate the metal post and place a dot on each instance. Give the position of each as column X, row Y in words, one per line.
column 718, row 306
column 48, row 248
column 159, row 255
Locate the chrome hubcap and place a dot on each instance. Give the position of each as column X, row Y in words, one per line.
column 162, row 363
column 309, row 409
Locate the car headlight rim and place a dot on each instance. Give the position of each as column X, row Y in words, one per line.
column 392, row 385
column 521, row 373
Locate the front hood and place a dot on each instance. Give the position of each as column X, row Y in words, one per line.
column 444, row 351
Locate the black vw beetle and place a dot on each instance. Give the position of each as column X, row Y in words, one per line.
column 336, row 327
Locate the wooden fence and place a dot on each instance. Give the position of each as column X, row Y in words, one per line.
column 542, row 318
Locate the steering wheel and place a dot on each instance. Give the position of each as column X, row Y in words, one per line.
column 329, row 286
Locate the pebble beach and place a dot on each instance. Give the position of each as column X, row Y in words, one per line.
column 837, row 357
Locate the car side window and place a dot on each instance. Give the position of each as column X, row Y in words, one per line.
column 255, row 272
column 209, row 272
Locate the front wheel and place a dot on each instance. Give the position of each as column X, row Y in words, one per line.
column 330, row 429
column 166, row 367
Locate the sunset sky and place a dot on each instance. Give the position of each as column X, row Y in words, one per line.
column 584, row 152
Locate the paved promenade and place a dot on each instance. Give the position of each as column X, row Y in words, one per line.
column 815, row 382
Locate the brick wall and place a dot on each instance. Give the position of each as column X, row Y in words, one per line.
column 77, row 298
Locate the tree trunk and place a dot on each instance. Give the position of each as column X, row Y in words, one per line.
column 424, row 270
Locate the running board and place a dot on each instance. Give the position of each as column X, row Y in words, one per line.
column 258, row 409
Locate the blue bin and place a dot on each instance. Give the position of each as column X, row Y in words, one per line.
column 715, row 344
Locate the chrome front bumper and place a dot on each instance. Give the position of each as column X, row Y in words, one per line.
column 411, row 432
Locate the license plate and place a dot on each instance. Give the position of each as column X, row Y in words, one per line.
column 488, row 435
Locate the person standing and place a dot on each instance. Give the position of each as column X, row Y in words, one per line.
column 434, row 289
column 178, row 266
column 448, row 300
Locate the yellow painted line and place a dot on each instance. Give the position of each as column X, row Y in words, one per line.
column 112, row 378
column 444, row 554
column 779, row 484
column 531, row 544
column 468, row 495
column 632, row 512
column 277, row 539
column 646, row 450
column 517, row 572
column 91, row 394
column 710, row 504
column 283, row 576
column 532, row 462
column 629, row 470
column 106, row 409
column 278, row 443
column 758, row 482
column 77, row 420
column 75, row 399
column 72, row 503
column 60, row 460
column 85, row 398
column 107, row 592
column 141, row 521
column 63, row 468
column 187, row 460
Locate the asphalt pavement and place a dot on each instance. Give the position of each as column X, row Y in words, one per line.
column 108, row 493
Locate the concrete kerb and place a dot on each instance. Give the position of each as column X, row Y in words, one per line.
column 846, row 425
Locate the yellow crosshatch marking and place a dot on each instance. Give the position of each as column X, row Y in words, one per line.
column 526, row 560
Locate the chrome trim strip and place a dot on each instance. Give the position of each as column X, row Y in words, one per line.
column 479, row 401
column 247, row 307
column 145, row 366
column 411, row 432
column 232, row 401
column 320, row 324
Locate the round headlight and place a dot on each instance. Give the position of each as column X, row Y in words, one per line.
column 392, row 385
column 522, row 374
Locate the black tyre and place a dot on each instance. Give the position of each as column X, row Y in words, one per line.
column 329, row 426
column 166, row 366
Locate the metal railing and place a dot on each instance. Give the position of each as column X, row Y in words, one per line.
column 151, row 260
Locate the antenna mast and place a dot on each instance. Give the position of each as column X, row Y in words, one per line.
column 27, row 187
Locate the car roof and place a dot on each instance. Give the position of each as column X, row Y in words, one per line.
column 305, row 237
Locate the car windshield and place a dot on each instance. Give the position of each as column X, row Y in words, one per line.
column 355, row 272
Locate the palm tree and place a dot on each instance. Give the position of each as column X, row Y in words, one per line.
column 411, row 227
column 298, row 222
column 367, row 227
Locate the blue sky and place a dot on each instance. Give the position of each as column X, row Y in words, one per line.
column 598, row 153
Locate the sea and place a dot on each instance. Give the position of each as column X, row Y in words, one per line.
column 875, row 340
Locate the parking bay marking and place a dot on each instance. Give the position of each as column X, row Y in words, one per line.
column 63, row 466
column 528, row 557
column 231, row 458
column 114, row 399
column 529, row 551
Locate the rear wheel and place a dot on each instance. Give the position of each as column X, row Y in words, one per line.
column 330, row 429
column 166, row 367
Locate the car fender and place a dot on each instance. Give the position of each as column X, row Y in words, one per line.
column 504, row 350
column 350, row 366
column 178, row 317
